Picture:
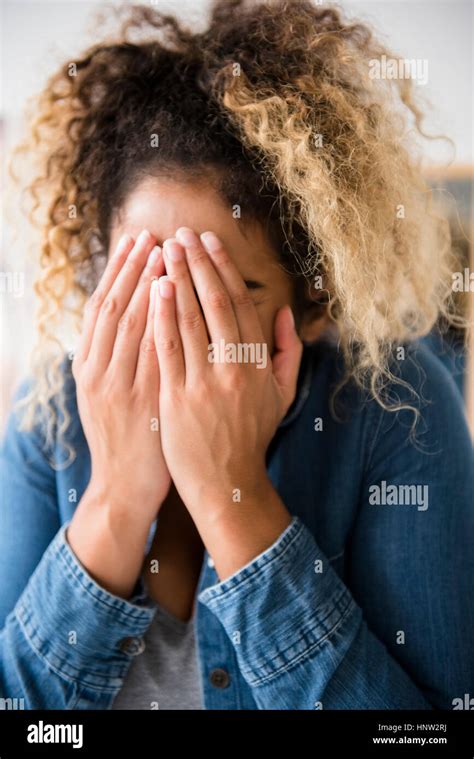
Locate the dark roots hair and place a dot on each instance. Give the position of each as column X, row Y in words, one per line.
column 272, row 102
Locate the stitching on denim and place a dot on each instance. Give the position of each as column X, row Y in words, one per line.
column 73, row 705
column 76, row 573
column 66, row 678
column 218, row 594
column 327, row 616
column 305, row 654
column 334, row 608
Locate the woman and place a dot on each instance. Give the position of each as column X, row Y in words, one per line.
column 250, row 487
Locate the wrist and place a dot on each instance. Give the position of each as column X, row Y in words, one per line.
column 211, row 499
column 109, row 540
column 124, row 506
column 236, row 532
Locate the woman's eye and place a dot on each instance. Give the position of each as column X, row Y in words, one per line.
column 252, row 285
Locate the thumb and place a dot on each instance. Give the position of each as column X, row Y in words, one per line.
column 287, row 357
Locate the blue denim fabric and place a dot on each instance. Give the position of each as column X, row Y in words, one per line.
column 355, row 605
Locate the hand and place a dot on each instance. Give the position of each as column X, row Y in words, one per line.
column 117, row 379
column 217, row 419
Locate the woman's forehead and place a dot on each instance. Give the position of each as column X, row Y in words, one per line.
column 162, row 205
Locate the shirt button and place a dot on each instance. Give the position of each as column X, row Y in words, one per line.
column 219, row 678
column 210, row 562
column 132, row 646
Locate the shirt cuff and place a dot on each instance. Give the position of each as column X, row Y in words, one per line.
column 280, row 607
column 82, row 631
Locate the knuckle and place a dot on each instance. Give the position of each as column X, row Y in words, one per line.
column 243, row 299
column 127, row 323
column 197, row 256
column 112, row 391
column 133, row 266
column 109, row 306
column 168, row 394
column 179, row 274
column 134, row 395
column 218, row 299
column 94, row 302
column 147, row 346
column 88, row 383
column 114, row 397
column 168, row 345
column 191, row 320
column 234, row 379
column 201, row 392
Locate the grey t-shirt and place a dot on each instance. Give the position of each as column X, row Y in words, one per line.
column 166, row 675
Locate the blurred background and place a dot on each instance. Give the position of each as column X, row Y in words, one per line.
column 37, row 36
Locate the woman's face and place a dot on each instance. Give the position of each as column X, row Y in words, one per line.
column 162, row 206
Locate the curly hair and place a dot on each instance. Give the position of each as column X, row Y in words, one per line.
column 274, row 101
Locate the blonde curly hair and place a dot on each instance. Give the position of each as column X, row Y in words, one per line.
column 277, row 97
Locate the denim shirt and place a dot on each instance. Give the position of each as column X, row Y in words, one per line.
column 365, row 601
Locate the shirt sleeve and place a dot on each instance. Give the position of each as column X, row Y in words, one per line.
column 398, row 633
column 65, row 642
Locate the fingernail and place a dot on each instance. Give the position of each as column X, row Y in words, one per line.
column 211, row 241
column 153, row 257
column 143, row 237
column 122, row 244
column 142, row 240
column 292, row 318
column 187, row 237
column 173, row 250
column 165, row 287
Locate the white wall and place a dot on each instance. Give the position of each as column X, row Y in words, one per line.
column 38, row 35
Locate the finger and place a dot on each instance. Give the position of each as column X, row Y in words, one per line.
column 131, row 326
column 167, row 338
column 250, row 329
column 116, row 301
column 213, row 295
column 287, row 357
column 114, row 265
column 190, row 319
column 148, row 373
